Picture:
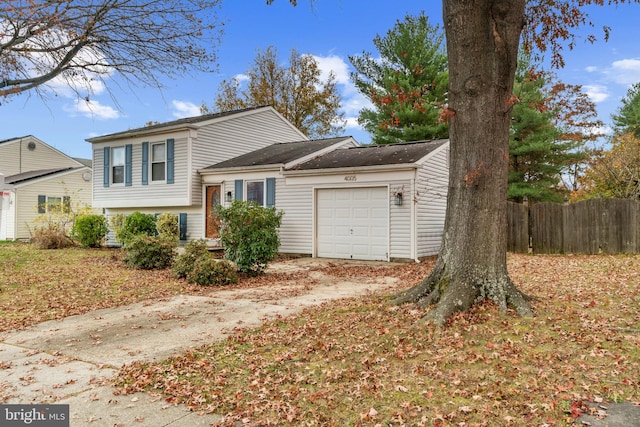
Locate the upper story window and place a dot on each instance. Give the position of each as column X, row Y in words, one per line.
column 158, row 162
column 255, row 192
column 117, row 165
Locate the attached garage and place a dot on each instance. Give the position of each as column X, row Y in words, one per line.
column 352, row 223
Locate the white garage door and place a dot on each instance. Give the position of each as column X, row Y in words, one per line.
column 352, row 223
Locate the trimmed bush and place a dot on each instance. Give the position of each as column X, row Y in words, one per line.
column 168, row 227
column 136, row 224
column 89, row 230
column 148, row 253
column 50, row 237
column 209, row 271
column 249, row 235
column 184, row 262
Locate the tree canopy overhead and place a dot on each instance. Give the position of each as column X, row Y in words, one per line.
column 296, row 91
column 79, row 42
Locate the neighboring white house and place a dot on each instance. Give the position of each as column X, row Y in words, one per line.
column 37, row 177
column 154, row 169
column 341, row 200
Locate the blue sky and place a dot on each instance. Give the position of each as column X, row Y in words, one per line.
column 331, row 30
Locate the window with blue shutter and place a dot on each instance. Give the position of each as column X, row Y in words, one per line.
column 271, row 192
column 182, row 222
column 239, row 184
column 128, row 165
column 145, row 163
column 170, row 161
column 107, row 172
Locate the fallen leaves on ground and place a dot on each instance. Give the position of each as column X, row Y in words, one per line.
column 366, row 362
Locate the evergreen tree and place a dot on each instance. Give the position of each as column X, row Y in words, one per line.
column 627, row 118
column 550, row 125
column 407, row 85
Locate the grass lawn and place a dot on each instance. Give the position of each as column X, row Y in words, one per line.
column 366, row 362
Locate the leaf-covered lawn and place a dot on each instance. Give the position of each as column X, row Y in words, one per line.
column 366, row 362
column 39, row 285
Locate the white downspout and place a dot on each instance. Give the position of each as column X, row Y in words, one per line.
column 414, row 222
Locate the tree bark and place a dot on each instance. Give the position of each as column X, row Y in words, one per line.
column 482, row 46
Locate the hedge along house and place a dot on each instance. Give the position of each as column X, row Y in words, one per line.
column 153, row 169
column 341, row 200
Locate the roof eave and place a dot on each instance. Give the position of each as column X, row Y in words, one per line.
column 350, row 169
column 237, row 169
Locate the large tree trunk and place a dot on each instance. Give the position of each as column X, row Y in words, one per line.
column 482, row 46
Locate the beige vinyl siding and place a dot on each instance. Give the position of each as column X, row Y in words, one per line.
column 15, row 157
column 296, row 231
column 69, row 184
column 138, row 195
column 235, row 136
column 400, row 226
column 433, row 182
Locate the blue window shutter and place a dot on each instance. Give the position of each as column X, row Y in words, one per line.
column 107, row 152
column 239, row 186
column 182, row 221
column 271, row 192
column 145, row 163
column 42, row 204
column 127, row 165
column 66, row 204
column 170, row 161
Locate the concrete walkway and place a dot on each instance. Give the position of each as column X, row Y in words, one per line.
column 71, row 361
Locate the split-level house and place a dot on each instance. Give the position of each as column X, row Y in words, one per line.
column 154, row 169
column 36, row 178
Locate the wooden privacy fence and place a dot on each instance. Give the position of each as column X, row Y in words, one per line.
column 589, row 227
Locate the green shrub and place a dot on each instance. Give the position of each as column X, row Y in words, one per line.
column 89, row 230
column 184, row 262
column 168, row 227
column 209, row 271
column 148, row 252
column 50, row 237
column 136, row 224
column 249, row 235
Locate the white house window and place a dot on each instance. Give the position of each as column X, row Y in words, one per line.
column 158, row 162
column 117, row 167
column 255, row 192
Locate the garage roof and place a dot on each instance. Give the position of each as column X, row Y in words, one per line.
column 373, row 155
column 278, row 154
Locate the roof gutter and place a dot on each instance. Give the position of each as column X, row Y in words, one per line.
column 351, row 169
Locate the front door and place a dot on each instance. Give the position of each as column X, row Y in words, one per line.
column 212, row 219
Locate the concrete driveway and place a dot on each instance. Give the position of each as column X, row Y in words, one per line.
column 71, row 361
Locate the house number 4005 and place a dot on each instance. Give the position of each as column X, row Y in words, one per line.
column 350, row 178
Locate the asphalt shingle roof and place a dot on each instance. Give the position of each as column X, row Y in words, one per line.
column 373, row 155
column 25, row 176
column 278, row 154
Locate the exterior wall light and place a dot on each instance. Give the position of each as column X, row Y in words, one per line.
column 228, row 197
column 397, row 200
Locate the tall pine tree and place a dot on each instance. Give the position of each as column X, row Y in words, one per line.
column 407, row 85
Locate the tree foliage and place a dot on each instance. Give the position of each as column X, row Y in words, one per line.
column 296, row 91
column 551, row 124
column 614, row 172
column 407, row 85
column 79, row 43
column 627, row 117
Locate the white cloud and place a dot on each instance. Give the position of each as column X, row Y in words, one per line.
column 625, row 71
column 241, row 77
column 91, row 109
column 597, row 93
column 591, row 69
column 352, row 100
column 182, row 109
